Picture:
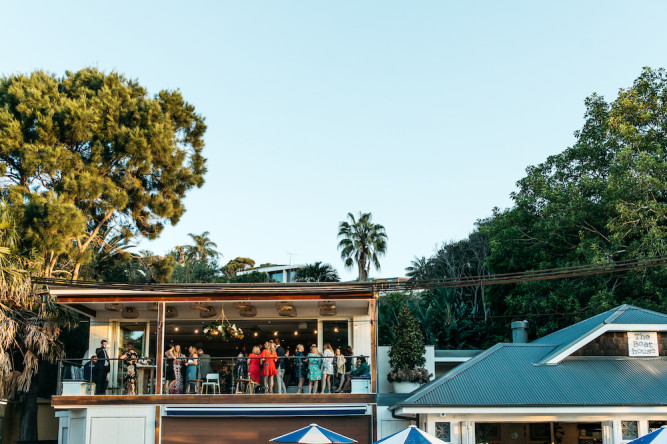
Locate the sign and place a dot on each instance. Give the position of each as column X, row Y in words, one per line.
column 642, row 343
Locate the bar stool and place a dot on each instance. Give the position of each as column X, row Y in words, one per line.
column 212, row 380
column 196, row 384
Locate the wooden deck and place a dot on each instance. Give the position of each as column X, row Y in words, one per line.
column 84, row 401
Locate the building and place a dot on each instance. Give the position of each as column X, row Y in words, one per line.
column 150, row 316
column 277, row 273
column 601, row 381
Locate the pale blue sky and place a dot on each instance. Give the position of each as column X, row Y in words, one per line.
column 425, row 113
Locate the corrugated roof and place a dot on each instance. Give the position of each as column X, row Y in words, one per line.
column 505, row 375
column 511, row 375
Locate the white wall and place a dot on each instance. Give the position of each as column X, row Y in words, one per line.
column 108, row 425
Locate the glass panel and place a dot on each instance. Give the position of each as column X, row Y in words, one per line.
column 629, row 430
column 335, row 333
column 132, row 334
column 655, row 425
column 487, row 433
column 442, row 431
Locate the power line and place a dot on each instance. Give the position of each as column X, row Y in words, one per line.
column 527, row 276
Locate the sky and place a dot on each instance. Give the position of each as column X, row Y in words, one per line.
column 424, row 113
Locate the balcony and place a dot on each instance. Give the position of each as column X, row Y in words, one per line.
column 226, row 381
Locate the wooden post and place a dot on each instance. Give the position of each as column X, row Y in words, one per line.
column 159, row 350
column 373, row 308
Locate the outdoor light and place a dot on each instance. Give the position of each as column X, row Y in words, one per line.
column 255, row 334
column 275, row 333
column 315, row 332
column 196, row 331
column 175, row 328
column 335, row 329
column 296, row 333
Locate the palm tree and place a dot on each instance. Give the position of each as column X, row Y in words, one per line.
column 316, row 272
column 417, row 269
column 362, row 242
column 203, row 247
column 31, row 323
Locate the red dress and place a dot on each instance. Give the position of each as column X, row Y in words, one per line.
column 253, row 368
column 269, row 363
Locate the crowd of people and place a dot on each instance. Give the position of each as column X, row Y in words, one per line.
column 270, row 368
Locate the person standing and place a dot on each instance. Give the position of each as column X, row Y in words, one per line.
column 130, row 360
column 102, row 368
column 169, row 375
column 204, row 364
column 340, row 368
column 191, row 371
column 300, row 369
column 280, row 367
column 177, row 387
column 327, row 367
column 253, row 365
column 314, row 369
column 269, row 370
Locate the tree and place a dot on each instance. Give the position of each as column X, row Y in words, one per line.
column 316, row 272
column 362, row 242
column 603, row 199
column 406, row 355
column 203, row 248
column 93, row 150
column 236, row 265
column 31, row 324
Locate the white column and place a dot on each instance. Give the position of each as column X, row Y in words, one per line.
column 607, row 432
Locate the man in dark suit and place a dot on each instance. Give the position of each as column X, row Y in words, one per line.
column 102, row 368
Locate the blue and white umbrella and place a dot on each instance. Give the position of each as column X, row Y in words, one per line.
column 313, row 434
column 657, row 437
column 411, row 435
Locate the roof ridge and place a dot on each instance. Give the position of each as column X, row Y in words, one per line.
column 617, row 312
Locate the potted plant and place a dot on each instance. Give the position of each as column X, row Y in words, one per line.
column 406, row 355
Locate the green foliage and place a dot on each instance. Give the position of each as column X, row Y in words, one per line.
column 316, row 272
column 90, row 151
column 603, row 199
column 407, row 351
column 254, row 276
column 362, row 242
column 236, row 265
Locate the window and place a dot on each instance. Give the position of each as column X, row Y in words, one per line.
column 442, row 431
column 629, row 430
column 655, row 425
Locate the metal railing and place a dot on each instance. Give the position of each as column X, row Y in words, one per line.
column 213, row 375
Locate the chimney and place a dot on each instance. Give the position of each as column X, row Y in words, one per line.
column 520, row 332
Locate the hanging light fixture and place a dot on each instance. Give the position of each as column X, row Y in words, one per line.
column 113, row 307
column 286, row 309
column 129, row 312
column 246, row 310
column 327, row 308
column 170, row 312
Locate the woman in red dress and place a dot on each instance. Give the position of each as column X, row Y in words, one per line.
column 253, row 365
column 269, row 370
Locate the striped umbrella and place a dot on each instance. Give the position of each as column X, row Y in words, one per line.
column 411, row 435
column 657, row 437
column 313, row 434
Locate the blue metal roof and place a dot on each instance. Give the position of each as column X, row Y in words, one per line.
column 510, row 375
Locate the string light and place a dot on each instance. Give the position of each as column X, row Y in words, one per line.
column 275, row 333
column 255, row 334
column 175, row 328
column 296, row 333
column 196, row 331
column 335, row 329
column 315, row 332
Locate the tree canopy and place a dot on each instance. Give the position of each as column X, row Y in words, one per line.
column 316, row 272
column 90, row 151
column 603, row 199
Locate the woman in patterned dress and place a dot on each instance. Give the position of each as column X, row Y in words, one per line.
column 177, row 386
column 314, row 369
column 130, row 360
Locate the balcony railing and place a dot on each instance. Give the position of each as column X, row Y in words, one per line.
column 214, row 375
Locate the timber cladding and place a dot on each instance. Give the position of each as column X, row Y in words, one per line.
column 243, row 430
column 615, row 343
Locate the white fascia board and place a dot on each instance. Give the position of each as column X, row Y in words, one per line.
column 539, row 411
column 452, row 359
column 555, row 359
